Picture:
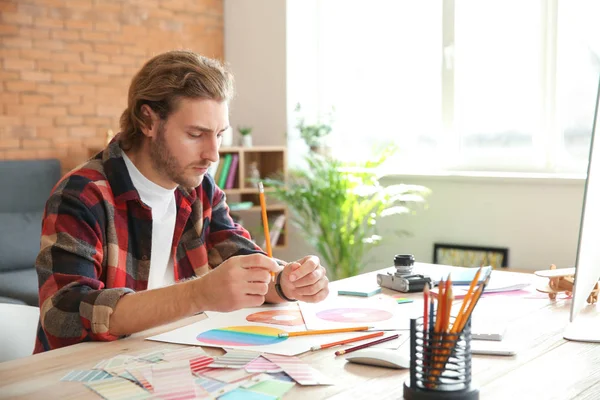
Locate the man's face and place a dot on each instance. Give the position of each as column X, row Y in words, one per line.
column 185, row 145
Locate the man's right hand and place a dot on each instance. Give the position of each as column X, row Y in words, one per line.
column 239, row 282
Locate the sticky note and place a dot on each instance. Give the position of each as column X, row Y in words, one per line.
column 403, row 300
column 360, row 293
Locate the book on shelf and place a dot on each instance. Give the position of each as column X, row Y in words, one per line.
column 275, row 230
column 225, row 171
column 218, row 171
column 232, row 171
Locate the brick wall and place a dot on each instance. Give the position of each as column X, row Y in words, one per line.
column 67, row 65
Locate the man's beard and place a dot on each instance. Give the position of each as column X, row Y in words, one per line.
column 165, row 162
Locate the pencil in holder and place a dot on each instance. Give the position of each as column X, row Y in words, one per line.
column 440, row 364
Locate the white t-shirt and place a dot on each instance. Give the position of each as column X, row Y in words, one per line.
column 164, row 212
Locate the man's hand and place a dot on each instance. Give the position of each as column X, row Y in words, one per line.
column 305, row 280
column 239, row 282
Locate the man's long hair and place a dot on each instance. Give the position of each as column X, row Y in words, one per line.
column 163, row 81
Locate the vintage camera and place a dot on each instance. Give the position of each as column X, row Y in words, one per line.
column 403, row 279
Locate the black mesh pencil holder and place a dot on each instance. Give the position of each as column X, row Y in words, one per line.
column 440, row 364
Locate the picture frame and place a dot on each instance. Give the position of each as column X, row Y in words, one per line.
column 470, row 256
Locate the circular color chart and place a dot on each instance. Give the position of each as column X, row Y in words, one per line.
column 277, row 317
column 354, row 315
column 241, row 336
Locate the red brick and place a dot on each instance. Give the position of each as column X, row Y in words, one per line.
column 20, row 86
column 7, row 6
column 81, row 89
column 94, row 36
column 67, row 77
column 8, row 30
column 51, row 88
column 48, row 44
column 82, row 131
column 107, row 48
column 51, row 65
column 36, row 54
column 10, row 143
column 53, row 111
column 34, row 33
column 107, row 26
column 35, row 99
column 36, row 143
column 20, row 155
column 96, row 121
column 51, row 23
column 35, row 76
column 110, row 69
column 109, row 110
column 95, row 78
column 52, row 133
column 16, row 18
column 90, row 57
column 23, row 131
column 82, row 109
column 65, row 35
column 21, row 109
column 17, row 42
column 78, row 24
column 68, row 121
column 67, row 99
column 125, row 60
column 67, row 57
column 17, row 64
column 80, row 67
column 78, row 46
column 38, row 122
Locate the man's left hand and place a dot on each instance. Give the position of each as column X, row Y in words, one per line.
column 305, row 280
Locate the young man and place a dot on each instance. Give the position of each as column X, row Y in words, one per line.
column 122, row 233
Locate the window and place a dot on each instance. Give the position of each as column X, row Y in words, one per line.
column 494, row 85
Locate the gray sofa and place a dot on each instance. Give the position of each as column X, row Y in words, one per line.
column 24, row 189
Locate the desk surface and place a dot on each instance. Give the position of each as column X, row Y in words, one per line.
column 546, row 366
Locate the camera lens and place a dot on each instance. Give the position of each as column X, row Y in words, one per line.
column 404, row 260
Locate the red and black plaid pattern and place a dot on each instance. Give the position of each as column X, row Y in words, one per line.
column 96, row 246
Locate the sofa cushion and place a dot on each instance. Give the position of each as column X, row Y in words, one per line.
column 19, row 239
column 26, row 184
column 21, row 285
column 10, row 300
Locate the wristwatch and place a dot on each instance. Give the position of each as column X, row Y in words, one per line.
column 279, row 290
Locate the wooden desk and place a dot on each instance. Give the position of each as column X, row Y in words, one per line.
column 546, row 367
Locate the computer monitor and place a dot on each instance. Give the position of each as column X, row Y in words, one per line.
column 585, row 321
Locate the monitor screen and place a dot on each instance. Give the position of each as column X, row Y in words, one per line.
column 587, row 265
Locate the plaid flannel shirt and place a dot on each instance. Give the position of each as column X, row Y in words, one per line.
column 96, row 246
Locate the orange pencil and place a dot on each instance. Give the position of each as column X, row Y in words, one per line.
column 324, row 331
column 265, row 221
column 346, row 341
column 466, row 301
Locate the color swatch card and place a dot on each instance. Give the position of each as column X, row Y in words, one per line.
column 118, row 389
column 379, row 313
column 273, row 387
column 300, row 371
column 261, row 364
column 234, row 359
column 237, row 330
column 174, row 380
column 86, row 376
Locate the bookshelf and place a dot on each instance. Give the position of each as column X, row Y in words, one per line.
column 269, row 160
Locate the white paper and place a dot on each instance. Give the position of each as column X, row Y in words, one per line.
column 287, row 347
column 379, row 313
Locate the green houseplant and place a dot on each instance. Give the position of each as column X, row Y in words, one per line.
column 336, row 206
column 245, row 136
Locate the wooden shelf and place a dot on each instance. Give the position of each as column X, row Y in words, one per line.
column 270, row 161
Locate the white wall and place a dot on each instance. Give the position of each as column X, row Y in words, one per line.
column 537, row 219
column 255, row 51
